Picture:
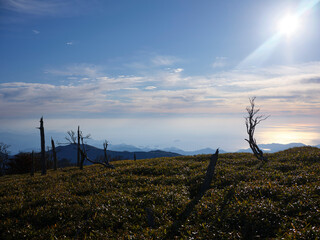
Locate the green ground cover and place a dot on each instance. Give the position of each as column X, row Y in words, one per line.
column 246, row 201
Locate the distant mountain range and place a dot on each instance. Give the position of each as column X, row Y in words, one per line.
column 70, row 152
column 270, row 148
column 275, row 147
column 27, row 143
column 127, row 151
column 189, row 153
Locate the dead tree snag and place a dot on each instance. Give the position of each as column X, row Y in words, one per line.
column 43, row 149
column 54, row 155
column 252, row 120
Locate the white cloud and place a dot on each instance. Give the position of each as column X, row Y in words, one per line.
column 164, row 60
column 69, row 43
column 219, row 62
column 35, row 31
column 150, row 87
column 277, row 90
column 178, row 70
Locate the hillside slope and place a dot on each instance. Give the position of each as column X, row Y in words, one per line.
column 278, row 200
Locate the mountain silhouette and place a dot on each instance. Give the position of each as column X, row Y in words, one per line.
column 70, row 152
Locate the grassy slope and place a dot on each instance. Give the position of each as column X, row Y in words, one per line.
column 282, row 199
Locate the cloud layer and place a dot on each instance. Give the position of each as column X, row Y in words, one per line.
column 87, row 89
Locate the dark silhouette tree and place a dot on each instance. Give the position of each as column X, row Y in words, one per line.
column 78, row 149
column 43, row 149
column 105, row 146
column 4, row 157
column 32, row 164
column 71, row 138
column 76, row 140
column 24, row 162
column 21, row 163
column 54, row 155
column 252, row 120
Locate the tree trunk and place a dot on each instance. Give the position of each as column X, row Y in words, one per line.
column 32, row 164
column 105, row 146
column 82, row 161
column 181, row 219
column 54, row 155
column 78, row 152
column 43, row 149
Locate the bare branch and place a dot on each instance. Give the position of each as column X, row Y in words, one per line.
column 252, row 120
column 72, row 138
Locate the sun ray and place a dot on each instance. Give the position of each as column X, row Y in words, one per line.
column 286, row 27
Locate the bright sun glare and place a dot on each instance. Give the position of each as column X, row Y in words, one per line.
column 288, row 25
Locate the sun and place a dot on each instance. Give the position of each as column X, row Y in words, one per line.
column 288, row 25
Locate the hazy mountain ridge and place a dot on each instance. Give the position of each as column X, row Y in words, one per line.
column 26, row 143
column 269, row 148
column 70, row 152
column 275, row 147
column 196, row 152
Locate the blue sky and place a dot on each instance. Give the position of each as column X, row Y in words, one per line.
column 161, row 73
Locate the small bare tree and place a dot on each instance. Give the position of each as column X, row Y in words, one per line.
column 105, row 146
column 76, row 140
column 72, row 138
column 252, row 120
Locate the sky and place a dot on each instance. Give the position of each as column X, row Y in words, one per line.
column 169, row 73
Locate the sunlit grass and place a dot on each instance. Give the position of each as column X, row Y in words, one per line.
column 279, row 199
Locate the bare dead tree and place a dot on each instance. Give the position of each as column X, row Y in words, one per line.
column 252, row 120
column 72, row 138
column 105, row 146
column 54, row 155
column 76, row 140
column 33, row 164
column 43, row 149
column 85, row 156
column 78, row 150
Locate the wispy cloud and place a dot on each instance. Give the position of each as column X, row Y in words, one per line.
column 69, row 43
column 36, row 7
column 83, row 70
column 35, row 31
column 279, row 91
column 47, row 8
column 164, row 60
column 219, row 62
column 150, row 87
